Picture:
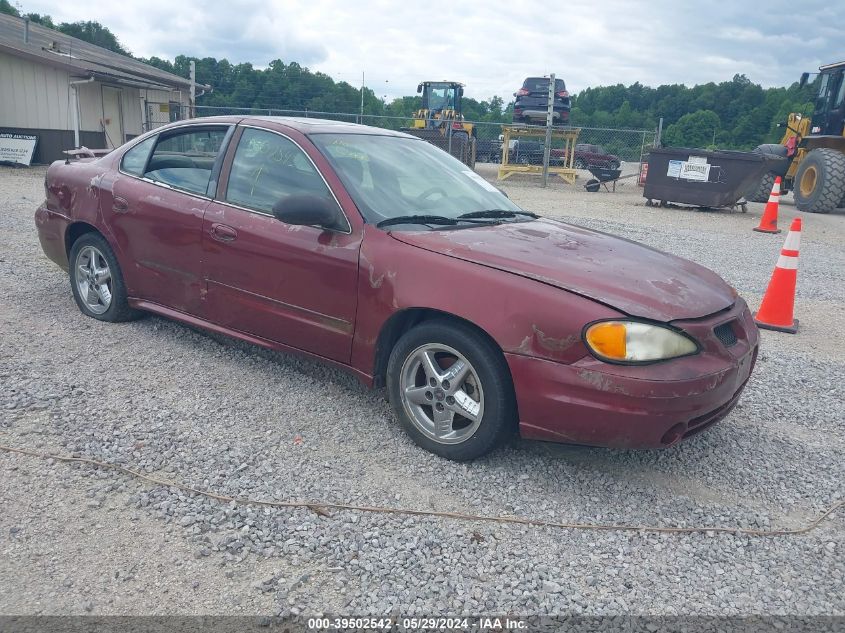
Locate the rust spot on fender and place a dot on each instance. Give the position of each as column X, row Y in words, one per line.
column 525, row 346
column 601, row 381
column 554, row 344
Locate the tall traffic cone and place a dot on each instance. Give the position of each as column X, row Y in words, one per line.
column 775, row 311
column 769, row 221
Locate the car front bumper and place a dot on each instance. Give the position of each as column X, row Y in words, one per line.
column 626, row 406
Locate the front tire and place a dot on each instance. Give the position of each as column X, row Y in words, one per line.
column 96, row 280
column 820, row 181
column 451, row 389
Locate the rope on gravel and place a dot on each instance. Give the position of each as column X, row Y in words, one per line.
column 320, row 507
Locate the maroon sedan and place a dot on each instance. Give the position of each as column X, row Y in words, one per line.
column 383, row 255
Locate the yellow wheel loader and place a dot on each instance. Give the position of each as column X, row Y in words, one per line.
column 441, row 122
column 814, row 148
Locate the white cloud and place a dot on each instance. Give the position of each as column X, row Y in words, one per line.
column 489, row 45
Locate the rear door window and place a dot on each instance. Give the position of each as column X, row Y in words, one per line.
column 185, row 159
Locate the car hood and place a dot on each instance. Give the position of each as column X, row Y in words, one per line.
column 635, row 279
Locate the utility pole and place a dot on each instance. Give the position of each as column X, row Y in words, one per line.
column 193, row 98
column 550, row 115
column 362, row 98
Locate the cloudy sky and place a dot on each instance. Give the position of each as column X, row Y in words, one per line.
column 489, row 45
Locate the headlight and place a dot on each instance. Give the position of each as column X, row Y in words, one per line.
column 633, row 342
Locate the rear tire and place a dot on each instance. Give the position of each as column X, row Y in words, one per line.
column 97, row 282
column 486, row 382
column 764, row 188
column 819, row 184
column 580, row 164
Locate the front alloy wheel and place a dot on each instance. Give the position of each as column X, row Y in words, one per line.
column 451, row 388
column 442, row 394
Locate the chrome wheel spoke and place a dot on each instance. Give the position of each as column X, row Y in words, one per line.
column 443, row 422
column 416, row 395
column 464, row 405
column 103, row 275
column 430, row 365
column 92, row 297
column 457, row 373
column 104, row 294
column 92, row 261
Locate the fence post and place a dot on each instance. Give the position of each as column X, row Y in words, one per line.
column 659, row 136
column 550, row 116
column 642, row 153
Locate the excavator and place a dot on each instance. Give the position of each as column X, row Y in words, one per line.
column 441, row 122
column 814, row 148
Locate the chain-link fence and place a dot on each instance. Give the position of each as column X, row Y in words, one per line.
column 469, row 141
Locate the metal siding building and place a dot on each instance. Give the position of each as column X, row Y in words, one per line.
column 71, row 93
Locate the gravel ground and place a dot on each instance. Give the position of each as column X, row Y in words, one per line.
column 239, row 420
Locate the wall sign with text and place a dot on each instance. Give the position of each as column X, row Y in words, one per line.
column 17, row 148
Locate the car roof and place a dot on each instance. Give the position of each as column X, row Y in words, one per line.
column 305, row 125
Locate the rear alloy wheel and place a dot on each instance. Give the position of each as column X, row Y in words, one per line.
column 451, row 389
column 580, row 164
column 96, row 280
column 820, row 181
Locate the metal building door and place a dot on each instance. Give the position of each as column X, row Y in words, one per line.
column 112, row 120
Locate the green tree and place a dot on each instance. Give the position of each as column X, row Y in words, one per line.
column 43, row 20
column 94, row 33
column 9, row 9
column 696, row 129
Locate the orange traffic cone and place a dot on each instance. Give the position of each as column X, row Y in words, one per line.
column 775, row 311
column 769, row 221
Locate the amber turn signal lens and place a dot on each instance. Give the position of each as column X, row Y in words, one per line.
column 608, row 339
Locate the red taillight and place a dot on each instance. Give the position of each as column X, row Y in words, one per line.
column 522, row 92
column 563, row 94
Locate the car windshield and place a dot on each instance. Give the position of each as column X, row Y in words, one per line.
column 392, row 176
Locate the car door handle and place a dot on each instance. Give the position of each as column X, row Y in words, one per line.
column 223, row 233
column 120, row 205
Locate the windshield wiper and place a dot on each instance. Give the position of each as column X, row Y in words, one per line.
column 418, row 219
column 497, row 213
column 426, row 219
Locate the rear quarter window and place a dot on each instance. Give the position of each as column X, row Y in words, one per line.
column 135, row 160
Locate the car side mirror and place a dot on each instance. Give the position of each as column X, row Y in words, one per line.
column 309, row 210
column 805, row 77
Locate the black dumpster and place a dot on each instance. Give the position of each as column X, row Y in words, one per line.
column 704, row 178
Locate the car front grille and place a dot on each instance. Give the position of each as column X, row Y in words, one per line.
column 725, row 333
